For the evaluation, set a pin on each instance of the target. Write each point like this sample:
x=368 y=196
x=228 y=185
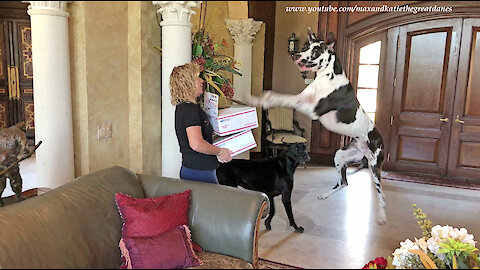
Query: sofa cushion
x=76 y=225
x=169 y=250
x=219 y=261
x=146 y=217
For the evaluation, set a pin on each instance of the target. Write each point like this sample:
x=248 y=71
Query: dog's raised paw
x=253 y=101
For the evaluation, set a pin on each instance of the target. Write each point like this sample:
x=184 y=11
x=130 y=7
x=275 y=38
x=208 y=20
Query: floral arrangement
x=215 y=65
x=441 y=247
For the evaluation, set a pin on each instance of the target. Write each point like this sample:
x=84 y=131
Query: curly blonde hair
x=183 y=83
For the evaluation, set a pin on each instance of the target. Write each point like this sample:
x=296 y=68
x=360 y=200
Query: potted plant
x=216 y=66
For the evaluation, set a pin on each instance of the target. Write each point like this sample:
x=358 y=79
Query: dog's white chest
x=358 y=128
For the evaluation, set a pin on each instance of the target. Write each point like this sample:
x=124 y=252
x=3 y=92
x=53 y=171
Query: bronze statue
x=13 y=145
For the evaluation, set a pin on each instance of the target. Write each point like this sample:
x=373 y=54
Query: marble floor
x=342 y=232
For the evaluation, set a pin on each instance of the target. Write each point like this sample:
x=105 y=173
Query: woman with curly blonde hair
x=194 y=132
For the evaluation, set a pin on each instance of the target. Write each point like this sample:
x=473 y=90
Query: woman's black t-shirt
x=187 y=115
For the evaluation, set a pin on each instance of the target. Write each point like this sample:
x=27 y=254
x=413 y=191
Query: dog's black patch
x=273 y=176
x=343 y=100
x=375 y=140
x=316 y=52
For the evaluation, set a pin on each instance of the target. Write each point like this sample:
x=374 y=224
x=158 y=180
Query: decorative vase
x=224 y=103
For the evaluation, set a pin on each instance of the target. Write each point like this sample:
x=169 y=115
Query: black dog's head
x=316 y=54
x=298 y=152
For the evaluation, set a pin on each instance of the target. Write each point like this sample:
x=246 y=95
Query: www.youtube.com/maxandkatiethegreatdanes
x=356 y=8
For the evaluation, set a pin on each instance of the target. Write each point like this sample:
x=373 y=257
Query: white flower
x=402 y=258
x=422 y=244
x=441 y=234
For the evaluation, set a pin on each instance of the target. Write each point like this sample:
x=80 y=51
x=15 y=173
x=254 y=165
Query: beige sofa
x=78 y=225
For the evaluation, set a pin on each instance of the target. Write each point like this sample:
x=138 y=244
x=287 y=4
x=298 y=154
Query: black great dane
x=272 y=176
x=331 y=99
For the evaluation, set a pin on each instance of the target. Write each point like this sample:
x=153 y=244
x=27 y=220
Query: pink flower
x=201 y=61
x=378 y=263
x=227 y=90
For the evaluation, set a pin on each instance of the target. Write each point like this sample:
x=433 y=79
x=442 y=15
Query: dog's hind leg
x=270 y=214
x=375 y=169
x=287 y=203
x=375 y=160
x=343 y=157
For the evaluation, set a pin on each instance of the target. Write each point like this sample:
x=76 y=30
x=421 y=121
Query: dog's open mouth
x=303 y=68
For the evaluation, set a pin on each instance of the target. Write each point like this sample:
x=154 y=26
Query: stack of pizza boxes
x=233 y=126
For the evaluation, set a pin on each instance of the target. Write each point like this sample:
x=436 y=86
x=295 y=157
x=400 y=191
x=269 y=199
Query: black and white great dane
x=331 y=99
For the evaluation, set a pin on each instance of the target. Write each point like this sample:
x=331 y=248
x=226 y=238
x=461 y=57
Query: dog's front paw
x=254 y=101
x=321 y=197
x=382 y=217
x=382 y=220
x=264 y=101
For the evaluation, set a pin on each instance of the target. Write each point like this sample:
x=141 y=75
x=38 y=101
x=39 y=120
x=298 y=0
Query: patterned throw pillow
x=169 y=250
x=146 y=217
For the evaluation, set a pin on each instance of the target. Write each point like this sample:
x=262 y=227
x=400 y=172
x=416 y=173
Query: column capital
x=243 y=31
x=176 y=12
x=54 y=8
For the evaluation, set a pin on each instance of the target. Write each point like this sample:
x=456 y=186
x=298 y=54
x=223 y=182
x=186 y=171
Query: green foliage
x=215 y=65
x=457 y=248
x=438 y=262
x=423 y=222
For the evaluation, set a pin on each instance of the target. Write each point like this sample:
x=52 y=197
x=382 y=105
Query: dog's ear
x=311 y=36
x=331 y=42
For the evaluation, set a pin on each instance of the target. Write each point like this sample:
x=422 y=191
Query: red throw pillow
x=148 y=217
x=170 y=250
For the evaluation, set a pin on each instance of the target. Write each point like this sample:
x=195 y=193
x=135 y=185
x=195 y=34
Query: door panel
x=423 y=95
x=464 y=156
x=323 y=144
x=24 y=67
x=6 y=104
x=426 y=59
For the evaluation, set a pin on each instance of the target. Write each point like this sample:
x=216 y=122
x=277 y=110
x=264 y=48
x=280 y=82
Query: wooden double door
x=16 y=75
x=435 y=106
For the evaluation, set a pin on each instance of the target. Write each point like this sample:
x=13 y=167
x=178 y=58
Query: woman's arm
x=198 y=144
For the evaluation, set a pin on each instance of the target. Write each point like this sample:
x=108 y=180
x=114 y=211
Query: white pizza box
x=237 y=143
x=231 y=120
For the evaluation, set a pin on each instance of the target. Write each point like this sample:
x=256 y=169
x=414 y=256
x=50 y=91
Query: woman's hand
x=224 y=155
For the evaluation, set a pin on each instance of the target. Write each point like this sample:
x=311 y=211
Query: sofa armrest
x=222 y=219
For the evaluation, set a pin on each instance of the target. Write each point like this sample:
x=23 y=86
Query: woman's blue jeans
x=207 y=176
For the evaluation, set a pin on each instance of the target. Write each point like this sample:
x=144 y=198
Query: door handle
x=10 y=79
x=458 y=120
x=17 y=80
x=444 y=120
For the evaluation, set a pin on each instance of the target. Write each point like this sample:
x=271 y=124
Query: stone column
x=243 y=32
x=52 y=92
x=176 y=50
